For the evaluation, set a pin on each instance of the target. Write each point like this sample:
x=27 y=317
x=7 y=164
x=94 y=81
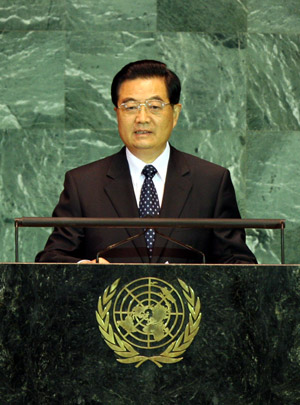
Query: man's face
x=146 y=134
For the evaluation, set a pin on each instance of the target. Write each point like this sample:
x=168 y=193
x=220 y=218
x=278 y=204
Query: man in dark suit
x=146 y=98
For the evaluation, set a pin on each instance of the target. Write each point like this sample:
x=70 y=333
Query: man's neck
x=147 y=155
x=162 y=159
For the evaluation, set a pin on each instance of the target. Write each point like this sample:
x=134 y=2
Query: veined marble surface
x=110 y=15
x=245 y=352
x=239 y=66
x=32 y=79
x=222 y=16
x=281 y=16
x=273 y=85
x=78 y=15
x=23 y=15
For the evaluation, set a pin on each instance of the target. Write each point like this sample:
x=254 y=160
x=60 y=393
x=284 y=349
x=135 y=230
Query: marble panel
x=273 y=173
x=24 y=15
x=110 y=15
x=273 y=88
x=226 y=16
x=84 y=146
x=31 y=177
x=245 y=352
x=32 y=80
x=93 y=59
x=269 y=16
x=212 y=71
x=230 y=81
x=224 y=148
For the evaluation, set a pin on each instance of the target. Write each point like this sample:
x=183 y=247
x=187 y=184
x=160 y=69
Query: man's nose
x=142 y=114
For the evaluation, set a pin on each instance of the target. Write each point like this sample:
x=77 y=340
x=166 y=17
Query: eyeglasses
x=153 y=106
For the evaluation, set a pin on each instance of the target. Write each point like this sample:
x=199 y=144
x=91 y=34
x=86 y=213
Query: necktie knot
x=149 y=171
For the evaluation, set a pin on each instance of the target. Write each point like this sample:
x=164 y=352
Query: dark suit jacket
x=194 y=188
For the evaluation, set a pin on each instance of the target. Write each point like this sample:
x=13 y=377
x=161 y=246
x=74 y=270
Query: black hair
x=147 y=69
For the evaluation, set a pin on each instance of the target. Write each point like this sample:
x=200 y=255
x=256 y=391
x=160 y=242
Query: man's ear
x=176 y=112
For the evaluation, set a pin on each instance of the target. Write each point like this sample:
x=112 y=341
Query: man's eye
x=129 y=107
x=154 y=106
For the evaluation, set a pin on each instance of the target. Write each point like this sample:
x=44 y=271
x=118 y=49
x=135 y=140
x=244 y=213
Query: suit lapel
x=177 y=189
x=120 y=191
x=119 y=186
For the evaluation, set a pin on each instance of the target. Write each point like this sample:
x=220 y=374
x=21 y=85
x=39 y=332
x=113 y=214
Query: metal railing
x=224 y=223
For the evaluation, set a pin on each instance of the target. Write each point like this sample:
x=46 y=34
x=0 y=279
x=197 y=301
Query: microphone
x=117 y=244
x=185 y=245
x=129 y=239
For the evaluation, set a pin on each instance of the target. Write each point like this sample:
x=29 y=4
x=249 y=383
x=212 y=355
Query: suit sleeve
x=65 y=244
x=229 y=245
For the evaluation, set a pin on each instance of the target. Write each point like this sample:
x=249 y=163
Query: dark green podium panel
x=246 y=351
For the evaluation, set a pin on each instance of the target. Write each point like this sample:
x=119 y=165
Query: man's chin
x=144 y=143
x=145 y=146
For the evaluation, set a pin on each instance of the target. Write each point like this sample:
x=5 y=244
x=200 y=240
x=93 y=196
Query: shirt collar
x=136 y=165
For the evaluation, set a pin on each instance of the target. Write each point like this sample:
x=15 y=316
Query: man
x=146 y=98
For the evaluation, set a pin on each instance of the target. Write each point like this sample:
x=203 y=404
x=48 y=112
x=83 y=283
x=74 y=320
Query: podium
x=246 y=350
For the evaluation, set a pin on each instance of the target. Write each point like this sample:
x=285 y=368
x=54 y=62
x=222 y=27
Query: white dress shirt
x=136 y=166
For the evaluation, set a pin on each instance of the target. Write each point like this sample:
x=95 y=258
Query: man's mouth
x=142 y=132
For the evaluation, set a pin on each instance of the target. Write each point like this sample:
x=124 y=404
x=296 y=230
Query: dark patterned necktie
x=149 y=204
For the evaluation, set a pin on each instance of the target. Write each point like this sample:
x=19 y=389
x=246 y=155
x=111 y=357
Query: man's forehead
x=148 y=86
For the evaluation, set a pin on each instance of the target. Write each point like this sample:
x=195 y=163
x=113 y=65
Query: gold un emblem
x=147 y=321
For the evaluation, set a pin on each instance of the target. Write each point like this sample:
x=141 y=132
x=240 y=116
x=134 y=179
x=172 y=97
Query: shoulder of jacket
x=197 y=163
x=94 y=167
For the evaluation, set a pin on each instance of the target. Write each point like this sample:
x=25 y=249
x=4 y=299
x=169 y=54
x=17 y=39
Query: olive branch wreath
x=127 y=354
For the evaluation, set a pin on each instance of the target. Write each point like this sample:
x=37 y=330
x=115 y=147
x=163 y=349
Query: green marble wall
x=239 y=64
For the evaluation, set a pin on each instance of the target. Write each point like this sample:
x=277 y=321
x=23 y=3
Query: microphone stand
x=186 y=246
x=131 y=238
x=117 y=244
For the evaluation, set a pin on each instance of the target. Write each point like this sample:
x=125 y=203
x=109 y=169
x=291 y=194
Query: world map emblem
x=148 y=319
